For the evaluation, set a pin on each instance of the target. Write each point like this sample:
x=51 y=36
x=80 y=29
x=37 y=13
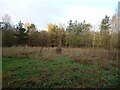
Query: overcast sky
x=43 y=12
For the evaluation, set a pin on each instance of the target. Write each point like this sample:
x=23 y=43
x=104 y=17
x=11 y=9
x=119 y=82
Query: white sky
x=43 y=12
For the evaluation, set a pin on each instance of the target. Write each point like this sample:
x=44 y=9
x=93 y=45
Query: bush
x=8 y=38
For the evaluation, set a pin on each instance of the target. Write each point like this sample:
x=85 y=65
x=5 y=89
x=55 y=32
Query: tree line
x=76 y=34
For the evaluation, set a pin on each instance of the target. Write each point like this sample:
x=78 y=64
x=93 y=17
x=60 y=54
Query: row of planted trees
x=76 y=34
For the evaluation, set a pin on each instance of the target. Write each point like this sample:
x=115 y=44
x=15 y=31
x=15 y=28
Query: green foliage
x=105 y=37
x=21 y=34
x=78 y=34
x=86 y=38
x=77 y=28
x=105 y=24
x=97 y=39
x=72 y=40
x=31 y=28
x=53 y=35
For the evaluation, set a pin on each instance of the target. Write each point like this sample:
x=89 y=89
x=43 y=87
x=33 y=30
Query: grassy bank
x=58 y=72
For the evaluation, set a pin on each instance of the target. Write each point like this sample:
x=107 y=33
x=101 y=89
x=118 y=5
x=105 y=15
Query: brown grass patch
x=104 y=64
x=33 y=80
x=49 y=52
x=80 y=55
x=82 y=61
x=6 y=75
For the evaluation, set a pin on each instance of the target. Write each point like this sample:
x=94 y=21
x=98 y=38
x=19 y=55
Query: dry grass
x=100 y=57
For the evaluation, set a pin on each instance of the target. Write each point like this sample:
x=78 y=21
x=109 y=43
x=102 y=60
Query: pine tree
x=21 y=35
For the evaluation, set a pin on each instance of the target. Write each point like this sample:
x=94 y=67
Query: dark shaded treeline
x=77 y=34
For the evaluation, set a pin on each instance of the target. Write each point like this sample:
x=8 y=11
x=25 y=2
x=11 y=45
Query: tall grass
x=82 y=55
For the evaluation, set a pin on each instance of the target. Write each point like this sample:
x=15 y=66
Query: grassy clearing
x=75 y=67
x=58 y=72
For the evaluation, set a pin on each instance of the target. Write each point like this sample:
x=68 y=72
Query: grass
x=34 y=52
x=59 y=72
x=101 y=57
x=26 y=67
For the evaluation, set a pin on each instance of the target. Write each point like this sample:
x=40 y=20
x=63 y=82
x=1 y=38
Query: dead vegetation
x=101 y=57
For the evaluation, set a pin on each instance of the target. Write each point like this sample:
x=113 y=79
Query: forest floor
x=25 y=68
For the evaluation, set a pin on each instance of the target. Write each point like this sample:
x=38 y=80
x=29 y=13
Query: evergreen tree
x=21 y=35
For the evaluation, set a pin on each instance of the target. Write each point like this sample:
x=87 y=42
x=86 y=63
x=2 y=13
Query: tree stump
x=58 y=50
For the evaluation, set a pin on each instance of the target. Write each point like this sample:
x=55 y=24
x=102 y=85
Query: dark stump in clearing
x=58 y=50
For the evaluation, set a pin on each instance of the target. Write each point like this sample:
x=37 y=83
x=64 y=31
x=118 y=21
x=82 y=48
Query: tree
x=77 y=27
x=52 y=30
x=78 y=33
x=21 y=35
x=105 y=24
x=60 y=35
x=96 y=39
x=114 y=32
x=8 y=38
x=72 y=40
x=26 y=25
x=6 y=21
x=105 y=37
x=86 y=38
x=32 y=28
x=43 y=38
x=60 y=38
